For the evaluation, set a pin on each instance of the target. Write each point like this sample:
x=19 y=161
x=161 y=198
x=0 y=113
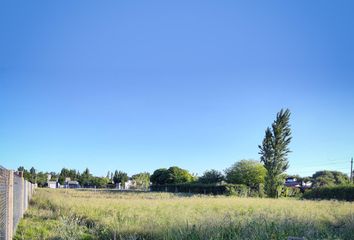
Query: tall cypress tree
x=274 y=151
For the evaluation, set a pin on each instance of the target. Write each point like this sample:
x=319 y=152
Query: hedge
x=342 y=192
x=290 y=192
x=229 y=189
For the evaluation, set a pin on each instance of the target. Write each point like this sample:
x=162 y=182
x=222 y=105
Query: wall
x=15 y=194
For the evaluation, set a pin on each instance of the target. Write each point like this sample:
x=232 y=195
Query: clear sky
x=139 y=85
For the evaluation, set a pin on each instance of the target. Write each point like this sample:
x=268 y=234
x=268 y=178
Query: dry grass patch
x=128 y=215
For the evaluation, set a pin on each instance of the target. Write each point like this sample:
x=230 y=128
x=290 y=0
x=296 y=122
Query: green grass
x=75 y=214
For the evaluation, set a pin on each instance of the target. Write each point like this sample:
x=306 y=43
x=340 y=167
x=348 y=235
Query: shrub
x=248 y=172
x=239 y=190
x=173 y=175
x=342 y=192
x=211 y=177
x=290 y=192
x=329 y=178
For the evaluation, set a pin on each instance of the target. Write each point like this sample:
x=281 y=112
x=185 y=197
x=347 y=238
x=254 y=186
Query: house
x=307 y=184
x=294 y=183
x=53 y=184
x=130 y=184
x=71 y=184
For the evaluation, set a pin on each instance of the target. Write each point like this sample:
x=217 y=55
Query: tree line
x=86 y=178
x=250 y=173
x=267 y=175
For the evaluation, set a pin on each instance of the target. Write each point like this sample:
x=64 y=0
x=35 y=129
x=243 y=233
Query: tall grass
x=75 y=214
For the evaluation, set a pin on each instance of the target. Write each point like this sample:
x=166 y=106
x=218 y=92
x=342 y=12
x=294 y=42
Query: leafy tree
x=274 y=151
x=100 y=182
x=32 y=171
x=108 y=175
x=33 y=174
x=54 y=176
x=116 y=178
x=179 y=175
x=86 y=178
x=329 y=178
x=160 y=176
x=26 y=174
x=248 y=172
x=21 y=169
x=172 y=175
x=64 y=173
x=211 y=176
x=120 y=177
x=142 y=180
x=68 y=173
x=42 y=178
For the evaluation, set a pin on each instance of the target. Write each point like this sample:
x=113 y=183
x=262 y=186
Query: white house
x=130 y=184
x=53 y=184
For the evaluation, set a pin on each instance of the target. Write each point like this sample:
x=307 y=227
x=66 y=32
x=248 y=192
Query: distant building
x=307 y=184
x=53 y=184
x=130 y=184
x=72 y=184
x=294 y=183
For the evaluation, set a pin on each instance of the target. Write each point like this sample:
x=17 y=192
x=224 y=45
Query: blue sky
x=139 y=85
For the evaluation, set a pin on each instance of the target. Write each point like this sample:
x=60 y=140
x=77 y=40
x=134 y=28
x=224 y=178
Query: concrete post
x=23 y=196
x=10 y=206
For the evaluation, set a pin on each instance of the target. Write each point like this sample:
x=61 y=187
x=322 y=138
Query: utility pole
x=351 y=171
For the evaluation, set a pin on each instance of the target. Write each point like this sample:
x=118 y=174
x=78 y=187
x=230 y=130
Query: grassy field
x=75 y=214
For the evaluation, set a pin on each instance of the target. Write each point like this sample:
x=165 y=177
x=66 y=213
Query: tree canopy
x=172 y=175
x=248 y=172
x=211 y=176
x=142 y=180
x=160 y=176
x=68 y=173
x=179 y=175
x=120 y=177
x=274 y=151
x=329 y=178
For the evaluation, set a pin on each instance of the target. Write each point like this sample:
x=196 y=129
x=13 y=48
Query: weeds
x=56 y=214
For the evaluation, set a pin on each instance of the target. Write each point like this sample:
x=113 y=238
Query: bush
x=228 y=189
x=342 y=192
x=329 y=178
x=239 y=190
x=290 y=192
x=248 y=172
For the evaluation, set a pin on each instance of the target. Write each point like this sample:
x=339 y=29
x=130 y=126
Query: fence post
x=22 y=209
x=10 y=208
x=25 y=188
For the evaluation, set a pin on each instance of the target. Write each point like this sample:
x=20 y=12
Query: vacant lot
x=75 y=214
